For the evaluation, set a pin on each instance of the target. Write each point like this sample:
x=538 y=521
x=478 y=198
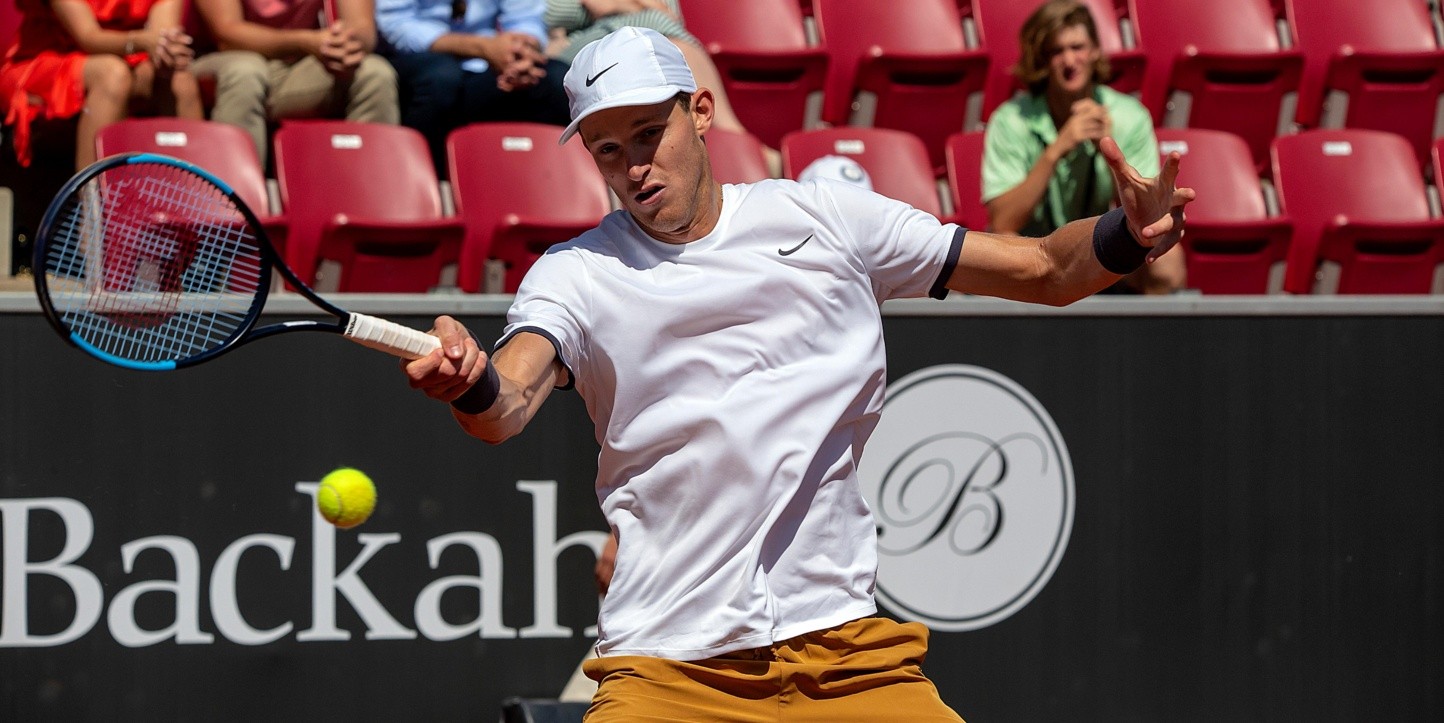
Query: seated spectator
x=99 y=60
x=1041 y=166
x=279 y=60
x=465 y=61
x=574 y=23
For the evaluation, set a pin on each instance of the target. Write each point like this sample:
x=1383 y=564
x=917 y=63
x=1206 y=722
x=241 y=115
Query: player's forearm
x=1057 y=270
x=521 y=375
x=514 y=407
x=1074 y=271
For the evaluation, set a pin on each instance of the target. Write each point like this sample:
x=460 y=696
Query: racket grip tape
x=390 y=337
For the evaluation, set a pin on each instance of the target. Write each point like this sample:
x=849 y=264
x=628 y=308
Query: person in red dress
x=97 y=59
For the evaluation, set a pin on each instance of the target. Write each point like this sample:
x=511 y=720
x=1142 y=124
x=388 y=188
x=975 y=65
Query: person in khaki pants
x=281 y=59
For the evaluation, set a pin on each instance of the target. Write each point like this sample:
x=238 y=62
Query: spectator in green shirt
x=1041 y=165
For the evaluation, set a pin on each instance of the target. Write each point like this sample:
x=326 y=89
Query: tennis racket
x=148 y=262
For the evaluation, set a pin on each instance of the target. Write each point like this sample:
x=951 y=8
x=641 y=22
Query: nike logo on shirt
x=593 y=79
x=794 y=249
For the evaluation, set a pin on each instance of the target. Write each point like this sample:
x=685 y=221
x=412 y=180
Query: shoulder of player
x=804 y=192
x=599 y=238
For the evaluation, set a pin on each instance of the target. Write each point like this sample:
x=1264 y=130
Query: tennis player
x=728 y=344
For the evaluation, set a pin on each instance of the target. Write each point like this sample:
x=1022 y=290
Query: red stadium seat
x=1218 y=65
x=10 y=18
x=965 y=179
x=1369 y=65
x=1232 y=246
x=1359 y=207
x=221 y=148
x=736 y=157
x=363 y=196
x=518 y=193
x=1437 y=156
x=773 y=78
x=1000 y=21
x=901 y=65
x=895 y=160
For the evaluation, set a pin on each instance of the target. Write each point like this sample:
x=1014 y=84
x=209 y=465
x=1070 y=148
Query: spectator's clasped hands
x=341 y=51
x=521 y=62
x=1154 y=206
x=169 y=48
x=1087 y=121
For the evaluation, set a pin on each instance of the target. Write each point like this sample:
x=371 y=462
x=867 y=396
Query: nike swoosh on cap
x=794 y=249
x=593 y=79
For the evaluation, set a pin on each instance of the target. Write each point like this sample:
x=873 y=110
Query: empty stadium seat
x=772 y=77
x=10 y=17
x=1437 y=157
x=1232 y=245
x=736 y=157
x=895 y=160
x=365 y=197
x=1218 y=65
x=1361 y=214
x=901 y=65
x=518 y=193
x=965 y=179
x=999 y=23
x=1373 y=64
x=221 y=148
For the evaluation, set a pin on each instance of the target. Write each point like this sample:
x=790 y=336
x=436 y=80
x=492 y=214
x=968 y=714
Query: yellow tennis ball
x=346 y=497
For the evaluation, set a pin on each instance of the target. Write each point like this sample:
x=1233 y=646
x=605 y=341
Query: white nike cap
x=631 y=66
x=838 y=168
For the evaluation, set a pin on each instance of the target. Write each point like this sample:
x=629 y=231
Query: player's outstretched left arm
x=1084 y=256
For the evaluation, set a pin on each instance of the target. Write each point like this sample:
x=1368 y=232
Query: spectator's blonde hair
x=1038 y=33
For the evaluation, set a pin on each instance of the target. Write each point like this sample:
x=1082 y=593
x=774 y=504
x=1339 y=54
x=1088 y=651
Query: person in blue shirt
x=467 y=61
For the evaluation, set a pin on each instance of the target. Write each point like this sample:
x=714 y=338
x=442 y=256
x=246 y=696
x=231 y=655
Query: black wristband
x=1115 y=246
x=481 y=395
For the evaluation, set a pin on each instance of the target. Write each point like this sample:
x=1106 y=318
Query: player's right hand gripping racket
x=149 y=262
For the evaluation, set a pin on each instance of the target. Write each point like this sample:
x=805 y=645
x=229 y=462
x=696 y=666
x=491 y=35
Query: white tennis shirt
x=733 y=381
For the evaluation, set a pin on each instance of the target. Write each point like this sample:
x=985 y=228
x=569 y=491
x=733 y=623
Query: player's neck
x=703 y=221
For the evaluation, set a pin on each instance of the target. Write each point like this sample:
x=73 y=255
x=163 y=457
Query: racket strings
x=154 y=263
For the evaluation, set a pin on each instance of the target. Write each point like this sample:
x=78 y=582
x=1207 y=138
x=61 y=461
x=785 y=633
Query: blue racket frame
x=52 y=224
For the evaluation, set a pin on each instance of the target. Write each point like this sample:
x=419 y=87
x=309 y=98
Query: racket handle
x=390 y=337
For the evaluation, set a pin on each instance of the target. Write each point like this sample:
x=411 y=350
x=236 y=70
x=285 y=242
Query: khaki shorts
x=865 y=670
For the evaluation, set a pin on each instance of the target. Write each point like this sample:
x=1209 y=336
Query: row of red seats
x=1256 y=68
x=1347 y=211
x=360 y=208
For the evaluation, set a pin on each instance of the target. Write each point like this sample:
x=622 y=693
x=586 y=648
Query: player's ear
x=704 y=105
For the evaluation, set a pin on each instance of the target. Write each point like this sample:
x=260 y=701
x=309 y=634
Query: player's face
x=1070 y=60
x=653 y=158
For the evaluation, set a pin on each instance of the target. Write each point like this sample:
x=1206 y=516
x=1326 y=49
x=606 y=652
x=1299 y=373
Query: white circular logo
x=972 y=489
